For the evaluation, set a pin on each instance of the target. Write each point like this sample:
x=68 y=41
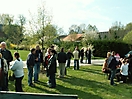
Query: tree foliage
x=128 y=38
x=40 y=25
x=82 y=28
x=117 y=31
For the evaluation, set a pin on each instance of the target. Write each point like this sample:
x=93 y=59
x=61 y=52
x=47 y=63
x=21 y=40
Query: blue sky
x=102 y=13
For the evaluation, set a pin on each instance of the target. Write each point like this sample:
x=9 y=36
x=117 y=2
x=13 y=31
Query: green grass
x=23 y=53
x=88 y=83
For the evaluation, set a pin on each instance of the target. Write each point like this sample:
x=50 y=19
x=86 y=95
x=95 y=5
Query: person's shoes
x=48 y=83
x=114 y=84
x=32 y=85
x=60 y=76
x=52 y=86
x=120 y=82
x=35 y=82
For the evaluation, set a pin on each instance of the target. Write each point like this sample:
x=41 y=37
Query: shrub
x=103 y=46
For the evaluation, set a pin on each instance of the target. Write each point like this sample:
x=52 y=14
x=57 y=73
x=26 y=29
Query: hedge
x=103 y=46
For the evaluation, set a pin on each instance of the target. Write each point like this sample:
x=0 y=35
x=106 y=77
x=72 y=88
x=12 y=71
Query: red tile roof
x=73 y=37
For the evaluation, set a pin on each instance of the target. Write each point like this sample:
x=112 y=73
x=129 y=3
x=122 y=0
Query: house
x=79 y=37
x=74 y=37
x=104 y=34
x=61 y=37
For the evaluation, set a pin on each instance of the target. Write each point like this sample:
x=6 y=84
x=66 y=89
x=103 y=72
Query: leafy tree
x=128 y=27
x=128 y=38
x=90 y=28
x=38 y=23
x=116 y=31
x=74 y=29
x=82 y=28
x=14 y=32
x=50 y=35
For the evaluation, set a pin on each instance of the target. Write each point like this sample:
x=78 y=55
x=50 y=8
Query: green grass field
x=88 y=83
x=23 y=53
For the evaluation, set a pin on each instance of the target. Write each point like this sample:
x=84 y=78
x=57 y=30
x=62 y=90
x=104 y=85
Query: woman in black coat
x=51 y=69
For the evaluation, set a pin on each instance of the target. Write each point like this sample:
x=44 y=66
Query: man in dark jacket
x=69 y=56
x=62 y=57
x=30 y=64
x=112 y=65
x=130 y=67
x=6 y=54
x=82 y=55
x=39 y=57
x=89 y=56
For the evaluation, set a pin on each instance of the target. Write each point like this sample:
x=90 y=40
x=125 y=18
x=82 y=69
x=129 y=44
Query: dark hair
x=62 y=49
x=52 y=46
x=33 y=49
x=53 y=51
x=16 y=54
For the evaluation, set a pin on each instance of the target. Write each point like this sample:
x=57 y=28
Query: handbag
x=11 y=76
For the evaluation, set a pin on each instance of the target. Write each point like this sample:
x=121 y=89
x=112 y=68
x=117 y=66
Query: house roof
x=73 y=37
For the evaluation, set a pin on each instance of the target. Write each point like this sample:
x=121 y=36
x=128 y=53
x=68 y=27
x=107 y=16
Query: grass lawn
x=23 y=53
x=88 y=83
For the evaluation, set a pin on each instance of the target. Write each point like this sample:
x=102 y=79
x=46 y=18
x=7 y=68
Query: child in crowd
x=122 y=76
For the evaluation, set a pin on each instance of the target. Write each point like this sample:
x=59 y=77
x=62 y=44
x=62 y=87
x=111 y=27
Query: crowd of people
x=114 y=66
x=119 y=68
x=34 y=60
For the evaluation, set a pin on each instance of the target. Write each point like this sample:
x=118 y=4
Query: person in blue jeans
x=112 y=65
x=30 y=64
x=39 y=60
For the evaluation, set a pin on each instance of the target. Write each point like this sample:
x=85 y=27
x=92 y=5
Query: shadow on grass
x=89 y=85
x=81 y=94
x=92 y=71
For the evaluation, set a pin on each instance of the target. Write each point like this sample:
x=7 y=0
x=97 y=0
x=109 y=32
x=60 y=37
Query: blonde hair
x=108 y=54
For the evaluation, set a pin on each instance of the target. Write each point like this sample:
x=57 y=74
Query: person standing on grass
x=6 y=54
x=78 y=51
x=39 y=57
x=86 y=55
x=62 y=57
x=30 y=64
x=51 y=69
x=47 y=57
x=112 y=65
x=82 y=55
x=89 y=56
x=3 y=71
x=130 y=67
x=76 y=59
x=69 y=56
x=17 y=68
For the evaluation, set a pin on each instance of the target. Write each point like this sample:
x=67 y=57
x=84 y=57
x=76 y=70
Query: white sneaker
x=120 y=82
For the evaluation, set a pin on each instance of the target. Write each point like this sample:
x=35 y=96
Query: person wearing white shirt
x=17 y=68
x=76 y=59
x=124 y=71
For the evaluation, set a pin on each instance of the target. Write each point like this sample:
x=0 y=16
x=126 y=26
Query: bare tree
x=38 y=23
